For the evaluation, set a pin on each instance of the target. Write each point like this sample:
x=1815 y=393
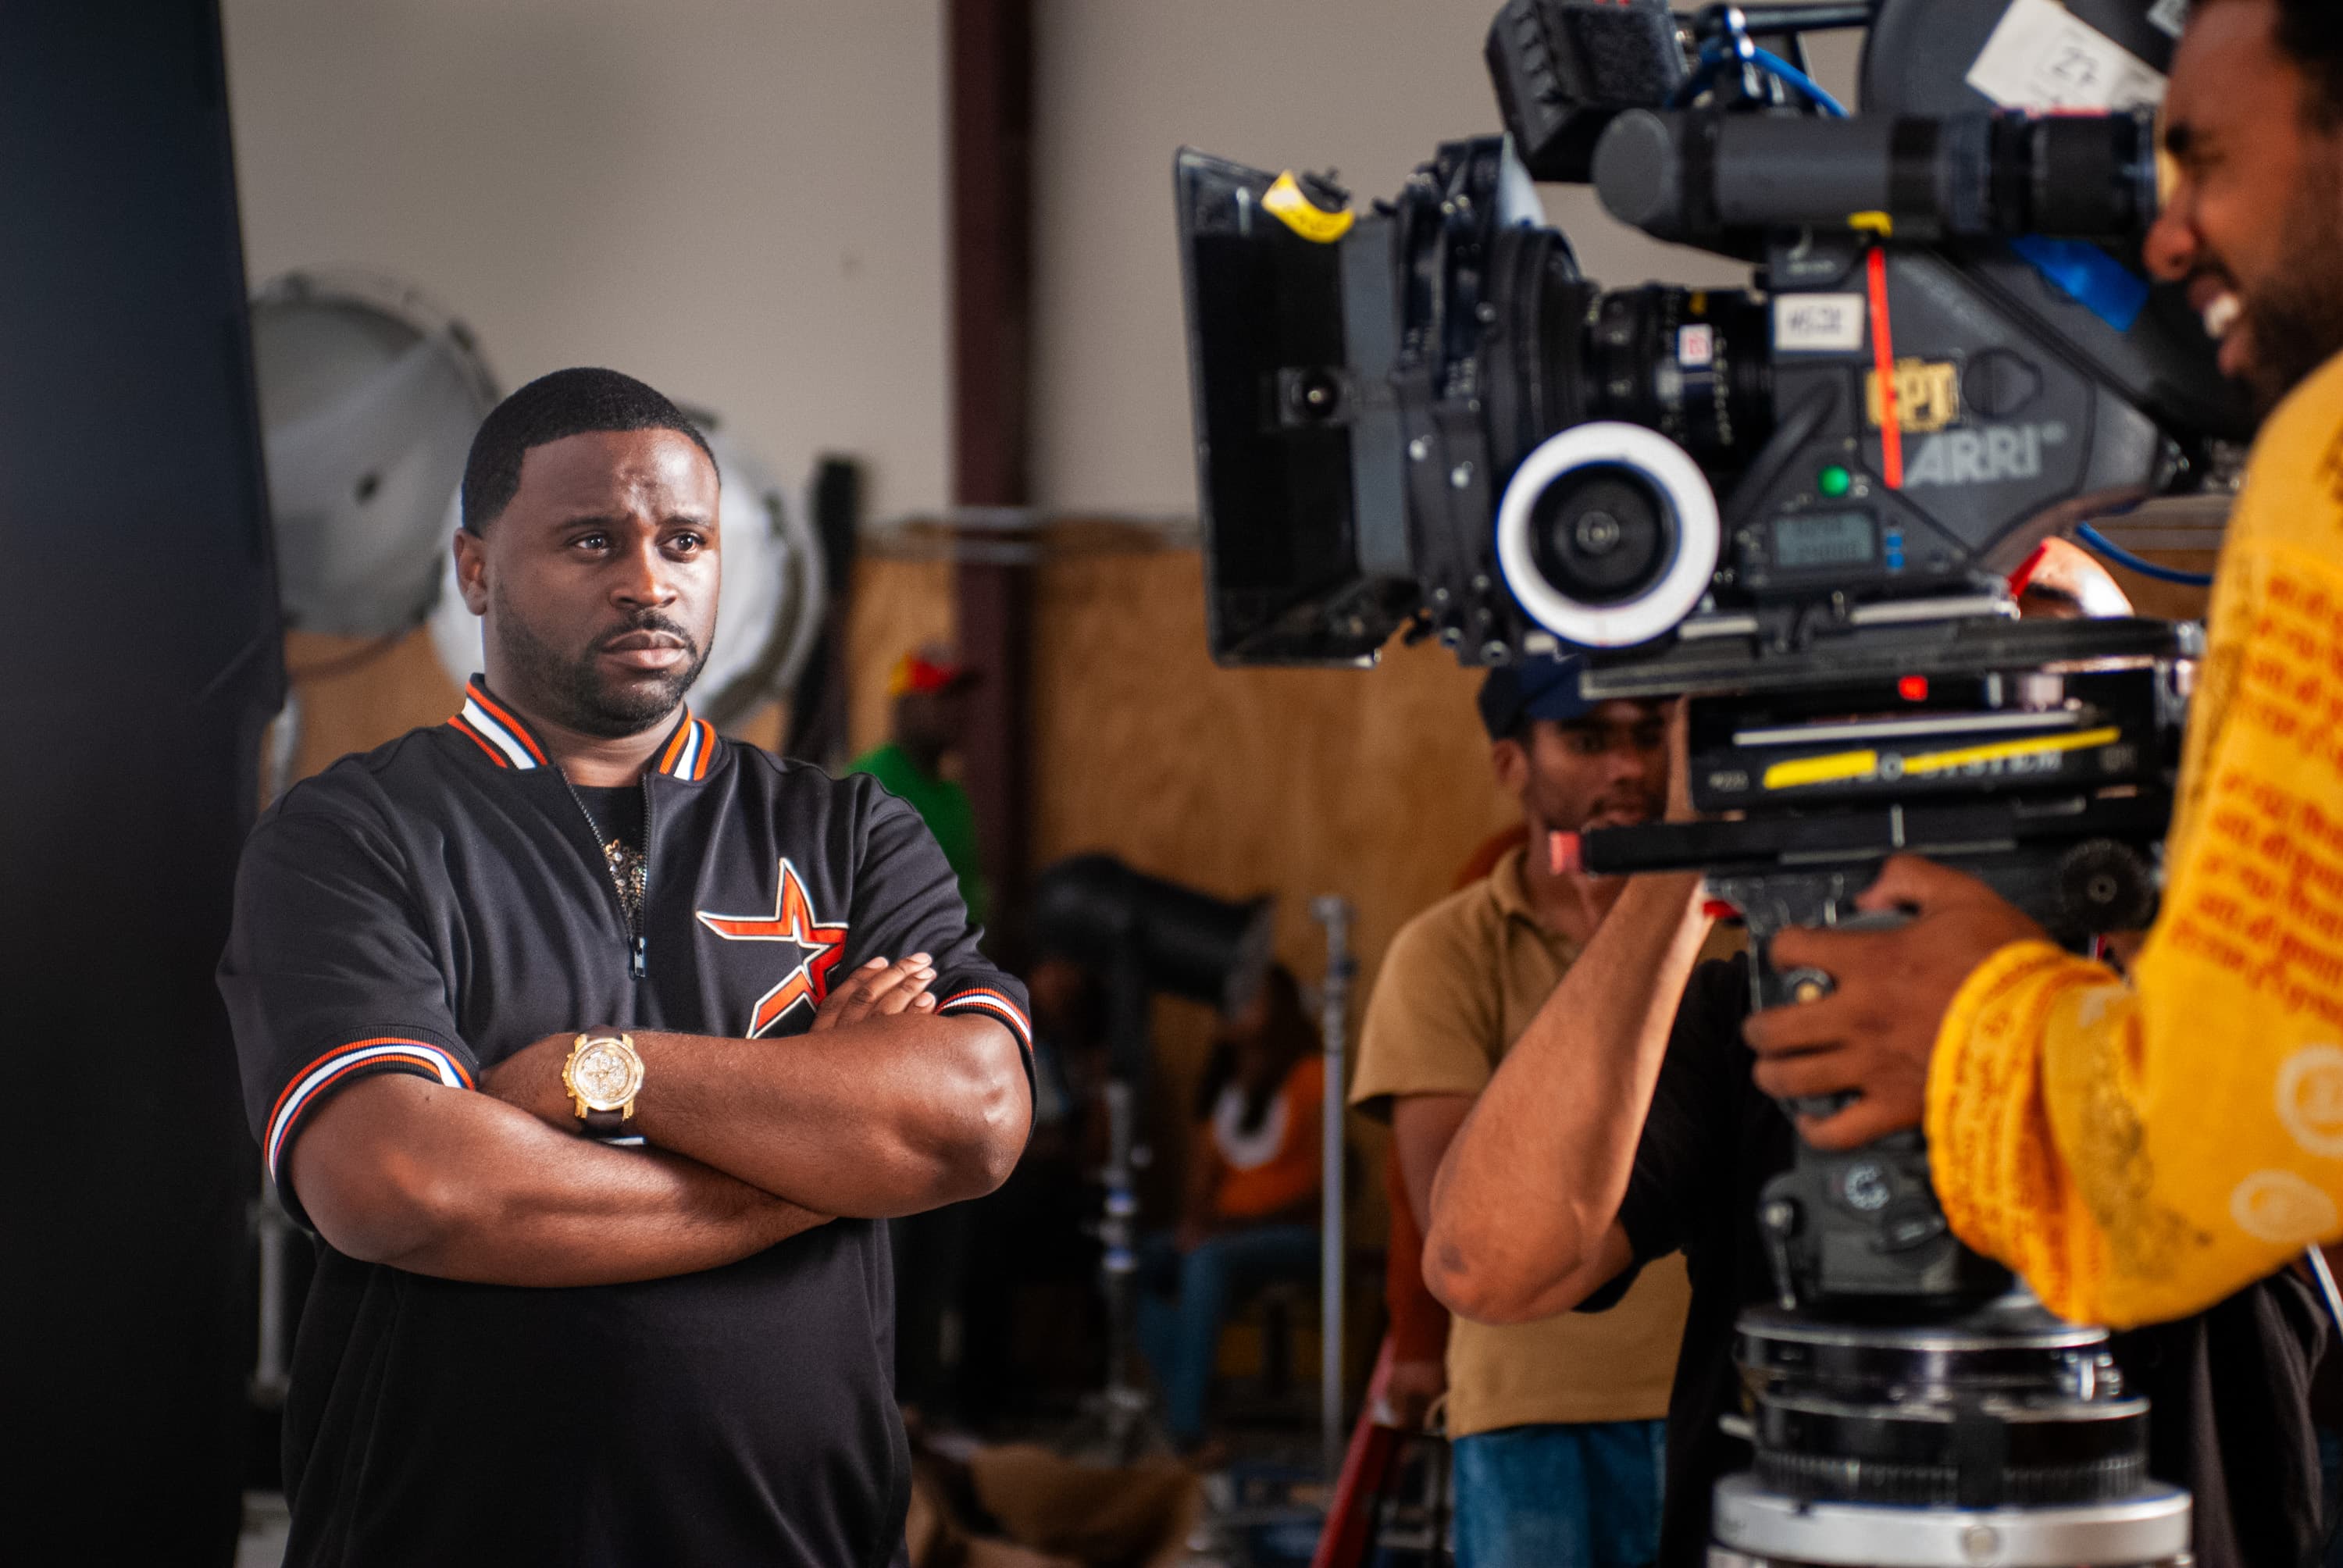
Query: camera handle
x=1861 y=1223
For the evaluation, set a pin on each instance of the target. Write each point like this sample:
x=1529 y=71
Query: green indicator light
x=1834 y=481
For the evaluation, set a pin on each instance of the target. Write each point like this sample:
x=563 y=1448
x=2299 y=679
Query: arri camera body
x=1798 y=504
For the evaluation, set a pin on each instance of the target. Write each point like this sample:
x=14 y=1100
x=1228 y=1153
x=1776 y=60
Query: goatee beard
x=2296 y=322
x=2295 y=331
x=572 y=691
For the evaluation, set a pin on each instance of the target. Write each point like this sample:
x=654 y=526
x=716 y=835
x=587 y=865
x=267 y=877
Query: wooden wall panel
x=355 y=693
x=900 y=604
x=1372 y=784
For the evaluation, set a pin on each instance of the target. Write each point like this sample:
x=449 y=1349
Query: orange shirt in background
x=1275 y=1165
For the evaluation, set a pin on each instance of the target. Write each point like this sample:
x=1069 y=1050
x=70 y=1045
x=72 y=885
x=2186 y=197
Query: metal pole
x=1335 y=914
x=1126 y=1398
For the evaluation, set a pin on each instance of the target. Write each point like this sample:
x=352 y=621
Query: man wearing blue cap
x=1556 y=1424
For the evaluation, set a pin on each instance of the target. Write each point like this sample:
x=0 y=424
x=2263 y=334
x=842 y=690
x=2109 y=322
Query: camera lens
x=1602 y=536
x=1689 y=362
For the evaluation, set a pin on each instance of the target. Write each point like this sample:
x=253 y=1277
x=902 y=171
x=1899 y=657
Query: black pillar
x=142 y=619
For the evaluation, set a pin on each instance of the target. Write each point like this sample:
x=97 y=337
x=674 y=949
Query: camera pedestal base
x=1755 y=1528
x=1995 y=1437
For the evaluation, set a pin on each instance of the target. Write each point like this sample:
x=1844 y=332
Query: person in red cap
x=929 y=689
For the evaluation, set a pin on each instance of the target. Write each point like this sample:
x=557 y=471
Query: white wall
x=743 y=201
x=1367 y=86
x=740 y=201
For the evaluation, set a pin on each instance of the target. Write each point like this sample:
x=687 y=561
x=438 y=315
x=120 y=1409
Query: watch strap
x=609 y=1124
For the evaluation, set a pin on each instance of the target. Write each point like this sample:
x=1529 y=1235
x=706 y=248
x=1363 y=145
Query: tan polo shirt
x=1460 y=984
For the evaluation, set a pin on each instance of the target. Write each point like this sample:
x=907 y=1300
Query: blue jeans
x=1581 y=1495
x=1183 y=1299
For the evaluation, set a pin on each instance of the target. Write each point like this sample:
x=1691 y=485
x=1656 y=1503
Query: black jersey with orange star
x=437 y=904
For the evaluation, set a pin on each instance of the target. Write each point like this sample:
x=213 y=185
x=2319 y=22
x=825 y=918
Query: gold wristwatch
x=603 y=1075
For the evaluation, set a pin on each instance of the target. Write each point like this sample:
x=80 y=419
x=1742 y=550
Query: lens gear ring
x=1681 y=488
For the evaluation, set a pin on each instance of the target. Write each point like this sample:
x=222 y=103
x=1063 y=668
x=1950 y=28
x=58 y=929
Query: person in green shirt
x=931 y=714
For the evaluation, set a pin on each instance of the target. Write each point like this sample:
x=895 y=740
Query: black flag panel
x=143 y=621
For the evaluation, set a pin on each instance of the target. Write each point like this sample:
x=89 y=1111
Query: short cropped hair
x=2310 y=34
x=567 y=403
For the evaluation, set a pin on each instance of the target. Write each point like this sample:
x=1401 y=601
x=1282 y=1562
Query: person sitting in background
x=930 y=691
x=1250 y=1217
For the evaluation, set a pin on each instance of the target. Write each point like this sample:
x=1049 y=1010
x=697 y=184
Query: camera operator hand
x=1875 y=1033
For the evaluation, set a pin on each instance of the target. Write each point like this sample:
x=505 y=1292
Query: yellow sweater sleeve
x=2138 y=1151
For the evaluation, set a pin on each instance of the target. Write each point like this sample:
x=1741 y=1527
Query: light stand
x=1335 y=913
x=1125 y=1412
x=1147 y=937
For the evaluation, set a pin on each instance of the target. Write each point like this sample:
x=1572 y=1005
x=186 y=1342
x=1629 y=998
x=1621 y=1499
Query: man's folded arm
x=1525 y=1217
x=890 y=1116
x=398 y=1169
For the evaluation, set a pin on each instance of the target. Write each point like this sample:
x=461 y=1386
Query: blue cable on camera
x=1713 y=60
x=2100 y=545
x=1789 y=74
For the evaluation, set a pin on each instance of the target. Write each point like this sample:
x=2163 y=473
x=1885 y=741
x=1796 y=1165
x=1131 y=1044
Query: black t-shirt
x=2228 y=1388
x=617 y=810
x=431 y=908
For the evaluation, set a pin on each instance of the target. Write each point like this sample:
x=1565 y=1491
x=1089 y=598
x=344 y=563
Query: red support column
x=989 y=58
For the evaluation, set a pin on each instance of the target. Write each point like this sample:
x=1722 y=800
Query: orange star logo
x=818 y=948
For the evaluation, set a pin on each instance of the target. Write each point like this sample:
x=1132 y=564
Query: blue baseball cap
x=1539 y=687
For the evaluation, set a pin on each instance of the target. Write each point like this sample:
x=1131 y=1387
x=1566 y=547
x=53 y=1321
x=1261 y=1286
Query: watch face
x=606 y=1074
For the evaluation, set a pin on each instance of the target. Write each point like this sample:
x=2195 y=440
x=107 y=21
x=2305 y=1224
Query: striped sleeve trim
x=993 y=1002
x=387 y=1053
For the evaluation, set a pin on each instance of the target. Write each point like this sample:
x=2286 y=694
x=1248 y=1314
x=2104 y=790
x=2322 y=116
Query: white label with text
x=1818 y=323
x=2042 y=56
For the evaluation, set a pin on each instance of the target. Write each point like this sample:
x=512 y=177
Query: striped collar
x=489 y=724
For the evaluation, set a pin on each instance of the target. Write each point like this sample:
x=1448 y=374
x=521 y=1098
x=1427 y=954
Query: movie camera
x=1799 y=504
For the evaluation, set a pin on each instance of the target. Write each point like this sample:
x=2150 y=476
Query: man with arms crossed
x=1553 y=1423
x=595 y=1048
x=2139 y=1147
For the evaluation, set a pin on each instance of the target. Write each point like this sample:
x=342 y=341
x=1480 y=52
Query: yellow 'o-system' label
x=1841 y=766
x=1302 y=216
